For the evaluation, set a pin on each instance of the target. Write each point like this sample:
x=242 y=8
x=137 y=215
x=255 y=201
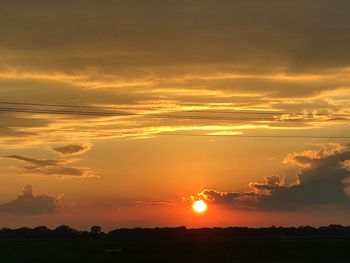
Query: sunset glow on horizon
x=151 y=113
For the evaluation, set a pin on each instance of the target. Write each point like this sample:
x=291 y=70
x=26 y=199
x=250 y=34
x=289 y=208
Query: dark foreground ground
x=180 y=245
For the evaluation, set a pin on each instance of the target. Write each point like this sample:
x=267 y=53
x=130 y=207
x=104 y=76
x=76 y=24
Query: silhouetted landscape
x=232 y=244
x=194 y=114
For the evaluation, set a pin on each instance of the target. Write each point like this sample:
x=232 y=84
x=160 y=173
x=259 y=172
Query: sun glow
x=199 y=206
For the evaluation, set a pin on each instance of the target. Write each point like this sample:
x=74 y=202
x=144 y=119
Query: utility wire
x=253 y=112
x=290 y=136
x=255 y=136
x=160 y=116
x=82 y=110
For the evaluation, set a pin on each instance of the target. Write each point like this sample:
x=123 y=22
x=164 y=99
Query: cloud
x=220 y=197
x=270 y=184
x=306 y=158
x=29 y=204
x=210 y=57
x=239 y=200
x=347 y=164
x=72 y=149
x=52 y=167
x=151 y=203
x=197 y=33
x=323 y=182
x=36 y=162
x=60 y=171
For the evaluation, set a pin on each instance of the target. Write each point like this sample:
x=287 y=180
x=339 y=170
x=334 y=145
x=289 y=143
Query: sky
x=123 y=113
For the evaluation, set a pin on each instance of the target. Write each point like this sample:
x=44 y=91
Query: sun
x=199 y=206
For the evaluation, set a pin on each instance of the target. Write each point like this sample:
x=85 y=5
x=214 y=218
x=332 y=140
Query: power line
x=290 y=136
x=252 y=112
x=255 y=136
x=85 y=110
x=162 y=116
x=66 y=105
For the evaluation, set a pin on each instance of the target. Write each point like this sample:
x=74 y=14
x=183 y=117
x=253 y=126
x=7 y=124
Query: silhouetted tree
x=95 y=230
x=65 y=231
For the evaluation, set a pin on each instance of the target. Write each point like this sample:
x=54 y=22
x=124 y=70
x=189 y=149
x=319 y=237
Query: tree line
x=65 y=231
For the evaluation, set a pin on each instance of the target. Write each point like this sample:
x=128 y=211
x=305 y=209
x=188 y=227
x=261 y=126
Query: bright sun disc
x=199 y=206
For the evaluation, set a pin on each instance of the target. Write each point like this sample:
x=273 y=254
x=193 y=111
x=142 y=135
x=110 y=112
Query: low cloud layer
x=29 y=204
x=322 y=182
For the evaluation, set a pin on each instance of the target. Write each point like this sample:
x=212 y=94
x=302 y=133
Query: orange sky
x=117 y=113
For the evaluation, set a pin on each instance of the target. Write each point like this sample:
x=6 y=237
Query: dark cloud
x=238 y=200
x=72 y=149
x=29 y=204
x=171 y=53
x=323 y=183
x=34 y=161
x=52 y=167
x=307 y=158
x=270 y=184
x=116 y=34
x=60 y=171
x=219 y=197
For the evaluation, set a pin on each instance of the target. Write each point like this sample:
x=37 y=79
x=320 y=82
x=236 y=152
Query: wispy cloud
x=72 y=149
x=60 y=167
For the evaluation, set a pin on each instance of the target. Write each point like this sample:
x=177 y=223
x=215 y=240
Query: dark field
x=179 y=245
